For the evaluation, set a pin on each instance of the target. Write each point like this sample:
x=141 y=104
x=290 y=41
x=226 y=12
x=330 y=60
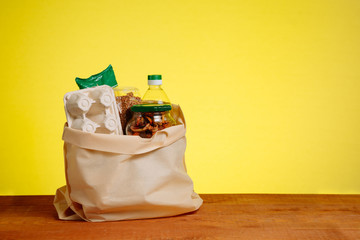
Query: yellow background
x=270 y=89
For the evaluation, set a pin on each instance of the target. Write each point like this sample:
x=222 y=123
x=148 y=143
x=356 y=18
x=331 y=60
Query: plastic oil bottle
x=155 y=94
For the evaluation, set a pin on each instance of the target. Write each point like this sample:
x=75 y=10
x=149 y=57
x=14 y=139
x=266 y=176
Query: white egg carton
x=93 y=110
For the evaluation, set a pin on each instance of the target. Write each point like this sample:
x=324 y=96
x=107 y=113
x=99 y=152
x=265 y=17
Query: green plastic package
x=106 y=77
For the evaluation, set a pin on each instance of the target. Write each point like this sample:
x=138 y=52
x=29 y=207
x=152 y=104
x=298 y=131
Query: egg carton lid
x=103 y=97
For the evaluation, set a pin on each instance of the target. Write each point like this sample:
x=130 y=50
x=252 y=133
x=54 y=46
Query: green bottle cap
x=154 y=77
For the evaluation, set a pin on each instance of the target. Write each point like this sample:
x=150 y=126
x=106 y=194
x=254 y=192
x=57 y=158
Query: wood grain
x=223 y=216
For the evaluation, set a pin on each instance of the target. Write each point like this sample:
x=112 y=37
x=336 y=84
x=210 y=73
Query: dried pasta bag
x=106 y=77
x=118 y=177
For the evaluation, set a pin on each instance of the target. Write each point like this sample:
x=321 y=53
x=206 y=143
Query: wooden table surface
x=222 y=216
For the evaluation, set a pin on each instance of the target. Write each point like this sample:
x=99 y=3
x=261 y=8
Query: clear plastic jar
x=125 y=98
x=148 y=119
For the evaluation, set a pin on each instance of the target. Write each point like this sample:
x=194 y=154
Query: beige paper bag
x=114 y=177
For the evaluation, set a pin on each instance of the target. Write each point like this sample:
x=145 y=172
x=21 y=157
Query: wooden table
x=223 y=216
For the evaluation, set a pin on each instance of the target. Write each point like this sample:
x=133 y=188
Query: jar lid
x=151 y=108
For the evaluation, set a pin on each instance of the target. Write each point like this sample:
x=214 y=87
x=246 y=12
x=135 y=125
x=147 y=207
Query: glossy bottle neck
x=155 y=87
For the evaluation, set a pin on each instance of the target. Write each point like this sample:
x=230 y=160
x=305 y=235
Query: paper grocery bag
x=118 y=177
